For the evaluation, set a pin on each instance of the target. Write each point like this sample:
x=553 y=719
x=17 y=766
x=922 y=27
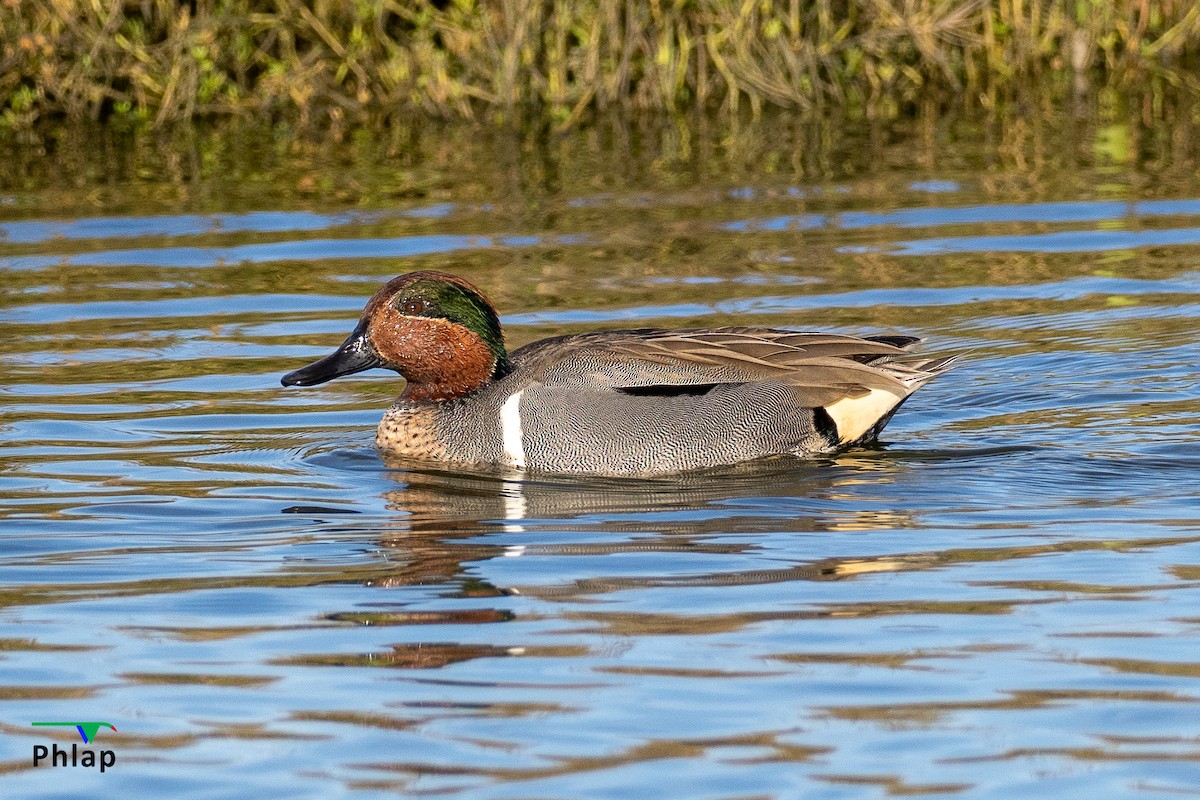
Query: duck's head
x=436 y=330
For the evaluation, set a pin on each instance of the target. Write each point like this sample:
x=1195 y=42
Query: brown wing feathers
x=801 y=359
x=826 y=366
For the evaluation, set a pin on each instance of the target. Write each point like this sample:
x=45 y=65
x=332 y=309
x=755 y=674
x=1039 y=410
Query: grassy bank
x=338 y=63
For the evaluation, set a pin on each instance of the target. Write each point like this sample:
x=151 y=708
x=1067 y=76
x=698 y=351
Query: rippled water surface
x=1001 y=600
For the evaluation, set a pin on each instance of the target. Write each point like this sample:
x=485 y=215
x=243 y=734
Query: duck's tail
x=860 y=419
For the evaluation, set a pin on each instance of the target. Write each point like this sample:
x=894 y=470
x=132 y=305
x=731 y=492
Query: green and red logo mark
x=87 y=730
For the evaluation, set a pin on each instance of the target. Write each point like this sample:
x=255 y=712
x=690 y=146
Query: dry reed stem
x=323 y=62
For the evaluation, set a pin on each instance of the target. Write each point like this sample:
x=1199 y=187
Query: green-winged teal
x=615 y=402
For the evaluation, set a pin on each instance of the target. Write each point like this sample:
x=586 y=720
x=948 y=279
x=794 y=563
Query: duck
x=613 y=402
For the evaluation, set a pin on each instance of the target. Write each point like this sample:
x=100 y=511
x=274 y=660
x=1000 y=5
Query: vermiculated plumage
x=620 y=402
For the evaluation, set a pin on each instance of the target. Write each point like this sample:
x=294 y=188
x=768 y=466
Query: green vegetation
x=333 y=64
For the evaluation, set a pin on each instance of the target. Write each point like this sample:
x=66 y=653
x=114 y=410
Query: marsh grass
x=361 y=61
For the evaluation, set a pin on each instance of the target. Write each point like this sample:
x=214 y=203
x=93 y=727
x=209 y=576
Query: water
x=999 y=601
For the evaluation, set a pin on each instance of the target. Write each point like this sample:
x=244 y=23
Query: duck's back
x=654 y=401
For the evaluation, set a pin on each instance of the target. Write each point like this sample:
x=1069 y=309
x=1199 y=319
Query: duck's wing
x=823 y=368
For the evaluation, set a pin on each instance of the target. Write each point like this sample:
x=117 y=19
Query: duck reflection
x=451 y=524
x=449 y=517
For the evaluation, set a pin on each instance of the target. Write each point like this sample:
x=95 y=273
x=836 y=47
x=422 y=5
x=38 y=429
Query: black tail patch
x=826 y=426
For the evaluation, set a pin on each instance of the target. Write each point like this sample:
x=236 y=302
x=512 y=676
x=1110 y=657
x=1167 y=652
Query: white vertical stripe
x=510 y=427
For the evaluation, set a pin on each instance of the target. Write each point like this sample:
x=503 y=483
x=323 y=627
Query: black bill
x=355 y=355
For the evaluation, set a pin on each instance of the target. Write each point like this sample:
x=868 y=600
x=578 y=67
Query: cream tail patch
x=854 y=416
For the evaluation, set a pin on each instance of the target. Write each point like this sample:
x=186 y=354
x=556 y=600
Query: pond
x=1001 y=599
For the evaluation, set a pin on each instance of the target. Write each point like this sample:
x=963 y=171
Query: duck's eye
x=412 y=307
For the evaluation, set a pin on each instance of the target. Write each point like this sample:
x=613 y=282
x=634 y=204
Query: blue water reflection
x=1000 y=600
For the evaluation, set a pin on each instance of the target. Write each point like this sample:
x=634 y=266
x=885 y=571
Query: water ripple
x=997 y=600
